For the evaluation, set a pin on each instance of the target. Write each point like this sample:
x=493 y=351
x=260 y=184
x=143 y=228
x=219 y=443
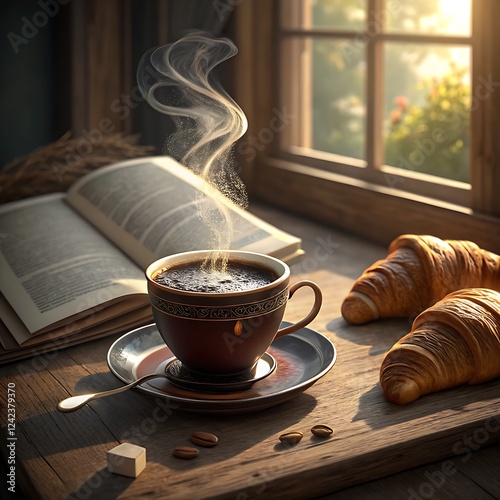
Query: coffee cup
x=225 y=331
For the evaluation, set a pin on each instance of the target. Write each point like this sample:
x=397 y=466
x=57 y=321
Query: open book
x=72 y=265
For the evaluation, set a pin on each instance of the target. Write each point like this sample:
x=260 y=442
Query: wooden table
x=441 y=446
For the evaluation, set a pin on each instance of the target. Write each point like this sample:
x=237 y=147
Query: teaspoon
x=76 y=402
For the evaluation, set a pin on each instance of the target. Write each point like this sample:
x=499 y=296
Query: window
x=390 y=113
x=376 y=85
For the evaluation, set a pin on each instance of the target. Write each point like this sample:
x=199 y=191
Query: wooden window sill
x=378 y=213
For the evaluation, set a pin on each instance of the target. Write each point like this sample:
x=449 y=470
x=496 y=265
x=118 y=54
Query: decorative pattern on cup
x=223 y=312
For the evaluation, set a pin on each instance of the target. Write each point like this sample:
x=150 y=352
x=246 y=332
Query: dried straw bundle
x=55 y=167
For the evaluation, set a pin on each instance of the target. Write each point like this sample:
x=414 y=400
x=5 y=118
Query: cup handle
x=318 y=298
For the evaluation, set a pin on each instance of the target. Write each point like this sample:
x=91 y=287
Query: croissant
x=456 y=341
x=418 y=271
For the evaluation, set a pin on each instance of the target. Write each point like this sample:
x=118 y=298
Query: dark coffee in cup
x=237 y=277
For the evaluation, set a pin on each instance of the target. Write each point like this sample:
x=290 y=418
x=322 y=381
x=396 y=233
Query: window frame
x=375 y=210
x=371 y=41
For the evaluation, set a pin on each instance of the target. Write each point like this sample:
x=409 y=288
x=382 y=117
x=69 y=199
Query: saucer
x=302 y=358
x=184 y=377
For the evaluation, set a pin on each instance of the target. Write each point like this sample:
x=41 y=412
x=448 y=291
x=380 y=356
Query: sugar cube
x=127 y=459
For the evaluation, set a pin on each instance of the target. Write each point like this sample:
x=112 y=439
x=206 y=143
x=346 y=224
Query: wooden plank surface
x=64 y=455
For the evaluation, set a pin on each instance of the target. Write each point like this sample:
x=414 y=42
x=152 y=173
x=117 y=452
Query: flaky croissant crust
x=418 y=271
x=454 y=342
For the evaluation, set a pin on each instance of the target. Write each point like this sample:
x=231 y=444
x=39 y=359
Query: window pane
x=339 y=72
x=444 y=17
x=323 y=88
x=427 y=107
x=321 y=14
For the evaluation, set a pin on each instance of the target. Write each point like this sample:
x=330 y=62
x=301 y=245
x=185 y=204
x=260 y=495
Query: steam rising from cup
x=179 y=79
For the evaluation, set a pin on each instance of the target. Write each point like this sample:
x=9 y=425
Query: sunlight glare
x=457 y=13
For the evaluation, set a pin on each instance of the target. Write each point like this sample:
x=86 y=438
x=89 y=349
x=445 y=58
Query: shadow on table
x=381 y=335
x=155 y=424
x=236 y=433
x=103 y=484
x=379 y=413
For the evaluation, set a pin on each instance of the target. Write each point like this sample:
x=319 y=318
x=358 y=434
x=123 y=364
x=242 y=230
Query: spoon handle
x=76 y=402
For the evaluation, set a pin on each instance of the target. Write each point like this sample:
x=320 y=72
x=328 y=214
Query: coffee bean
x=185 y=452
x=292 y=437
x=204 y=439
x=322 y=430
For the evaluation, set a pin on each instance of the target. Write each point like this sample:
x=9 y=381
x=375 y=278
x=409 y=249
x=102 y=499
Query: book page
x=54 y=265
x=148 y=207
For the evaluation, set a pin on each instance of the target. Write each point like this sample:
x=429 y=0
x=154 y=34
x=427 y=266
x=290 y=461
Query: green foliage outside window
x=433 y=138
